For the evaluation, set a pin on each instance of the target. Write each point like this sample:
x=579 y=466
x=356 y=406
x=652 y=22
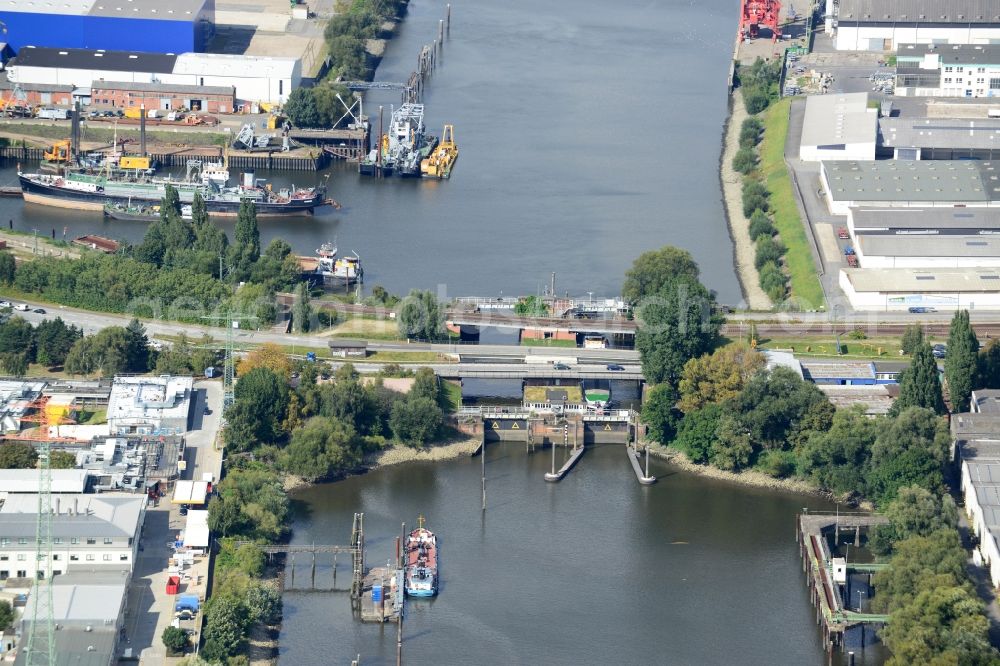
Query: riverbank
x=750 y=478
x=739 y=225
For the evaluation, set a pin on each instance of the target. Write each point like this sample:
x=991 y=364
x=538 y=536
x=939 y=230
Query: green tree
x=170 y=205
x=7 y=268
x=776 y=408
x=835 y=459
x=261 y=401
x=246 y=236
x=919 y=385
x=322 y=448
x=301 y=108
x=263 y=603
x=677 y=325
x=989 y=365
x=301 y=310
x=532 y=306
x=246 y=558
x=136 y=347
x=416 y=421
x=199 y=213
x=914 y=512
x=768 y=250
x=225 y=627
x=62 y=460
x=913 y=337
x=17 y=336
x=18 y=455
x=53 y=340
x=251 y=503
x=719 y=376
x=6 y=614
x=731 y=449
x=697 y=430
x=962 y=362
x=351 y=401
x=426 y=385
x=655 y=270
x=750 y=131
x=911 y=451
x=226 y=517
x=175 y=640
x=420 y=316
x=14 y=364
x=660 y=413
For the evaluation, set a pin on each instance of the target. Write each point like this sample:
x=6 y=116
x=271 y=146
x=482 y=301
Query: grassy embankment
x=798 y=259
x=550 y=342
x=107 y=134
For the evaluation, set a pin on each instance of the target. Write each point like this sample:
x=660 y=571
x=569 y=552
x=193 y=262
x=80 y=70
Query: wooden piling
x=447 y=19
x=312 y=573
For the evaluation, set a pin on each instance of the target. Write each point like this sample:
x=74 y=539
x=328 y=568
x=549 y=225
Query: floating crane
x=754 y=13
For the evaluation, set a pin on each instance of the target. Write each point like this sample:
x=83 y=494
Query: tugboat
x=421 y=562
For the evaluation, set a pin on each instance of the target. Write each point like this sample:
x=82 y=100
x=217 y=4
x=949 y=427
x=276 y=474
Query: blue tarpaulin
x=188 y=601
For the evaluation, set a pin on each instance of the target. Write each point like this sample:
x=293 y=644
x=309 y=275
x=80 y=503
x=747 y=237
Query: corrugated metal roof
x=917 y=181
x=114 y=61
x=223 y=64
x=939 y=133
x=984 y=473
x=920 y=11
x=92 y=515
x=952 y=54
x=926 y=245
x=866 y=219
x=172 y=88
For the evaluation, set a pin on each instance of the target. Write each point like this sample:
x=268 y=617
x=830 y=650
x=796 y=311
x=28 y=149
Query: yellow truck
x=133 y=112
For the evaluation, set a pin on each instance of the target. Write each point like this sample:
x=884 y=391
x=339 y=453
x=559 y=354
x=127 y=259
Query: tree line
x=182 y=270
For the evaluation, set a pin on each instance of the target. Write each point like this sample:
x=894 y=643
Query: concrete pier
x=552 y=477
x=633 y=457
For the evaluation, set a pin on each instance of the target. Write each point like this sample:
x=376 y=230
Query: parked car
x=184 y=614
x=852 y=260
x=184 y=509
x=842 y=232
x=848 y=251
x=22 y=307
x=939 y=351
x=560 y=366
x=614 y=367
x=920 y=309
x=38 y=311
x=5 y=304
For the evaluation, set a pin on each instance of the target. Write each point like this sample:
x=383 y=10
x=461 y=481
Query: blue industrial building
x=176 y=26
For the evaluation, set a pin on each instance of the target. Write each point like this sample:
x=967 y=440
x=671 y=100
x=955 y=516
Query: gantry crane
x=754 y=13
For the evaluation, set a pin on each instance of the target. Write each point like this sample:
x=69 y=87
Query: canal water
x=590 y=131
x=593 y=570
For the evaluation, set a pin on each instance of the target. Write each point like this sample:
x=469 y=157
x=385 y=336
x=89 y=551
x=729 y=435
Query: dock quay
x=10 y=191
x=633 y=457
x=554 y=475
x=382 y=595
x=827 y=576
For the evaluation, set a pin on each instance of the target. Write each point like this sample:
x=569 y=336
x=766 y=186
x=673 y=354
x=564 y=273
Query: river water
x=590 y=131
x=593 y=570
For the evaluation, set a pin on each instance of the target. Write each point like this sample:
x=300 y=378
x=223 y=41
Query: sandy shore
x=739 y=226
x=748 y=478
x=402 y=454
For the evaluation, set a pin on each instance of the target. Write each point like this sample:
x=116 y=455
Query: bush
x=745 y=160
x=756 y=99
x=773 y=280
x=760 y=225
x=768 y=249
x=750 y=132
x=175 y=640
x=779 y=464
x=753 y=202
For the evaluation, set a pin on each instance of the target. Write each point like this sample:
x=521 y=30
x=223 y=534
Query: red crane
x=754 y=13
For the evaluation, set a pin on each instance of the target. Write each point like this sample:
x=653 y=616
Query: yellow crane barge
x=440 y=162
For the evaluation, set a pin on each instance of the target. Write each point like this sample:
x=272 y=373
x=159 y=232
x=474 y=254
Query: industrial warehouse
x=881 y=25
x=209 y=80
x=141 y=25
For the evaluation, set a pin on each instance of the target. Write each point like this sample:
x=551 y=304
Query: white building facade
x=881 y=25
x=88 y=531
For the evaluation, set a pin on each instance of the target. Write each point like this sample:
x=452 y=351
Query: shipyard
x=285 y=381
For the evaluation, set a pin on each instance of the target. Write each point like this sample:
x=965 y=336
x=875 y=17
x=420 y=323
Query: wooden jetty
x=633 y=457
x=554 y=475
x=817 y=563
x=10 y=191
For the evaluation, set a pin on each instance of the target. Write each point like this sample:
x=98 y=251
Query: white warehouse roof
x=196 y=533
x=223 y=64
x=190 y=492
x=26 y=480
x=838 y=119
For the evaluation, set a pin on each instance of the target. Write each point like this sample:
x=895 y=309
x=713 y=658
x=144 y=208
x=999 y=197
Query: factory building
x=948 y=70
x=898 y=289
x=906 y=184
x=166 y=96
x=150 y=405
x=838 y=127
x=254 y=78
x=142 y=25
x=88 y=532
x=881 y=25
x=940 y=138
x=15 y=402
